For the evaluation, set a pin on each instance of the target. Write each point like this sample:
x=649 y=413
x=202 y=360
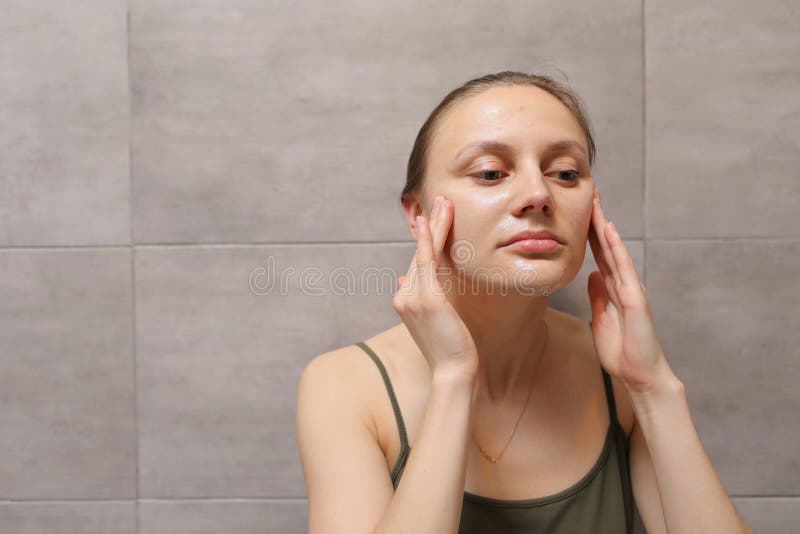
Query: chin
x=536 y=281
x=534 y=277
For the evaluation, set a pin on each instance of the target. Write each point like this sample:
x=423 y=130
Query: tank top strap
x=612 y=405
x=623 y=452
x=404 y=446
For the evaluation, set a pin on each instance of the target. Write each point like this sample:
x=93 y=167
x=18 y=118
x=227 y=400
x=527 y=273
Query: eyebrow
x=503 y=148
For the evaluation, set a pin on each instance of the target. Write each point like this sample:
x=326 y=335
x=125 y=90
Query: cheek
x=580 y=223
x=472 y=220
x=580 y=218
x=586 y=220
x=468 y=241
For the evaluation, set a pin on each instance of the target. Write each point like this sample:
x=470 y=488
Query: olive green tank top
x=601 y=502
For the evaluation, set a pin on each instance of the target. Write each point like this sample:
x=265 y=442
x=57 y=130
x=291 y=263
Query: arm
x=430 y=493
x=669 y=464
x=348 y=485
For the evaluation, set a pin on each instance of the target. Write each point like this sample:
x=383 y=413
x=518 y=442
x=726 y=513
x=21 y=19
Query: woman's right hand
x=436 y=327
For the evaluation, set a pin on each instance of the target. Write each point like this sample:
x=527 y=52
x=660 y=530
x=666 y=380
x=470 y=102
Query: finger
x=597 y=211
x=597 y=251
x=599 y=257
x=604 y=270
x=594 y=239
x=411 y=273
x=445 y=224
x=435 y=224
x=436 y=227
x=425 y=265
x=413 y=264
x=611 y=289
x=627 y=271
x=415 y=235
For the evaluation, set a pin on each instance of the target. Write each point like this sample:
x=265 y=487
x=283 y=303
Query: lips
x=532 y=234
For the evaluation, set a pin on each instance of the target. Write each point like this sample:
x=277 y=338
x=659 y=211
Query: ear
x=411 y=208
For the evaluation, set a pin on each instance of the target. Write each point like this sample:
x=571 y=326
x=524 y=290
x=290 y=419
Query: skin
x=675 y=486
x=526 y=188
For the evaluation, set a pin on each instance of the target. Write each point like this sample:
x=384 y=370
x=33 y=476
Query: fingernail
x=613 y=228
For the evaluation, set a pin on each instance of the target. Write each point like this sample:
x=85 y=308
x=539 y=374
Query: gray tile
x=574 y=298
x=770 y=515
x=66 y=375
x=726 y=314
x=242 y=115
x=68 y=518
x=219 y=362
x=723 y=119
x=211 y=517
x=64 y=113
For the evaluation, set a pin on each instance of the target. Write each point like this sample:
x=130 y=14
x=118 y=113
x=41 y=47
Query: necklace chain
x=484 y=452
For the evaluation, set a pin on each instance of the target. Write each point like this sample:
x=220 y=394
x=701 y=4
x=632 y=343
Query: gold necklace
x=483 y=451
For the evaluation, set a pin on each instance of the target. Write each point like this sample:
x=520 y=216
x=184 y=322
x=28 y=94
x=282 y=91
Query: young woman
x=484 y=410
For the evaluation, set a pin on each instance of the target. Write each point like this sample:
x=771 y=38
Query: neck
x=509 y=334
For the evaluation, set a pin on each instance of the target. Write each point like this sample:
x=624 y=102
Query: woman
x=484 y=410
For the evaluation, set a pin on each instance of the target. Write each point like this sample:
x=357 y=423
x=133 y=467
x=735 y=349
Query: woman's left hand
x=622 y=325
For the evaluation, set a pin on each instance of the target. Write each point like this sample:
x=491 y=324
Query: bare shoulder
x=342 y=376
x=585 y=348
x=344 y=465
x=349 y=373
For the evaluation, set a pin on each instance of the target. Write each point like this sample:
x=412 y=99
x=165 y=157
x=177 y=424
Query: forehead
x=512 y=113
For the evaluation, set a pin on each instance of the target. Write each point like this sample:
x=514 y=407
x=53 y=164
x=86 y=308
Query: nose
x=531 y=194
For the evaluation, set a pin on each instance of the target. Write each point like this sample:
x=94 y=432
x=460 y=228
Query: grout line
x=153 y=500
x=59 y=247
x=644 y=144
x=365 y=243
x=225 y=499
x=137 y=456
x=282 y=243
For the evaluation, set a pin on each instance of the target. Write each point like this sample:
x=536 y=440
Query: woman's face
x=541 y=180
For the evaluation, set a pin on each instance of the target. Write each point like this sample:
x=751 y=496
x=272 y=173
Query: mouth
x=534 y=245
x=533 y=241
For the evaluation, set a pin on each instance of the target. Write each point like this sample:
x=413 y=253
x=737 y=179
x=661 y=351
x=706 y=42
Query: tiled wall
x=154 y=155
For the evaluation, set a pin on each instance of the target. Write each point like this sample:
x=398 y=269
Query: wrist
x=454 y=375
x=662 y=394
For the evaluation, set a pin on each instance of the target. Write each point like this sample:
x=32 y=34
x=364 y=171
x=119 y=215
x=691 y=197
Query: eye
x=485 y=176
x=489 y=172
x=571 y=177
